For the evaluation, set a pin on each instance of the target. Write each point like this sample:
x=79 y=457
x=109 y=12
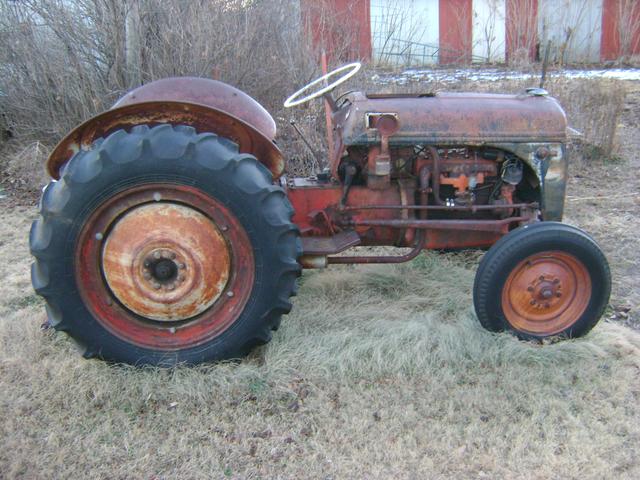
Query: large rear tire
x=543 y=280
x=163 y=246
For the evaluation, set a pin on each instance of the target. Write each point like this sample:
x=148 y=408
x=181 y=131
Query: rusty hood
x=453 y=118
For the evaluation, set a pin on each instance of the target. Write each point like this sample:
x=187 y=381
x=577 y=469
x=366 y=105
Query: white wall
x=489 y=33
x=583 y=18
x=396 y=23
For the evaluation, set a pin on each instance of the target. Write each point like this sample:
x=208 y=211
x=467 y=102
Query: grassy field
x=379 y=372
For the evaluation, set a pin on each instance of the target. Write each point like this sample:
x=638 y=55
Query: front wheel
x=163 y=246
x=542 y=280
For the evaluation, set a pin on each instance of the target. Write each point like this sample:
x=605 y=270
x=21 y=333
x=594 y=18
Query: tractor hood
x=452 y=118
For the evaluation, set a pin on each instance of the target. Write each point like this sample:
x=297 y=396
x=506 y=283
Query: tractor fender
x=206 y=105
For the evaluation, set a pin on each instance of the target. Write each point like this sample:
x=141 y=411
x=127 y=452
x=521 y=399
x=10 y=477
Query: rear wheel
x=164 y=246
x=542 y=280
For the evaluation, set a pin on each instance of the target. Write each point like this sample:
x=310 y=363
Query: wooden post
x=327 y=112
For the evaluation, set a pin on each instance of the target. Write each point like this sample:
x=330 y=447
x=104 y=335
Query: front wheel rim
x=546 y=293
x=146 y=282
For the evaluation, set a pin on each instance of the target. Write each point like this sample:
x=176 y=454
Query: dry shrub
x=594 y=108
x=66 y=61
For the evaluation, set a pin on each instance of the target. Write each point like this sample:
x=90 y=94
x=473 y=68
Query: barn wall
x=522 y=30
x=489 y=32
x=340 y=27
x=620 y=29
x=456 y=26
x=582 y=18
x=405 y=31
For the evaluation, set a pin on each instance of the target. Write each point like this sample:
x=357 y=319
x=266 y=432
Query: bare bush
x=627 y=16
x=66 y=61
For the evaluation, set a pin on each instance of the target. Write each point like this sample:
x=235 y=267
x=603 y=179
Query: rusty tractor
x=169 y=233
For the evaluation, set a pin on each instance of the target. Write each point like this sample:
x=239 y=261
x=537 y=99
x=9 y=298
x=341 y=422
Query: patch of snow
x=489 y=75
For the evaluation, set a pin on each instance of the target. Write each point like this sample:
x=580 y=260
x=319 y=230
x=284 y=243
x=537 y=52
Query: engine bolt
x=230 y=294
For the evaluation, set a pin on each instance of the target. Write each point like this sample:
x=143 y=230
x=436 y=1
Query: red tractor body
x=167 y=276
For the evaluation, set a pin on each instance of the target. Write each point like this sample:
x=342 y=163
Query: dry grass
x=380 y=372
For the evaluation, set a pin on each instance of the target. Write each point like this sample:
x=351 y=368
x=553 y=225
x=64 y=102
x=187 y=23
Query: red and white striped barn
x=462 y=31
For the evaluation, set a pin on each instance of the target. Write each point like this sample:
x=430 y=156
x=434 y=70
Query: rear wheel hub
x=165 y=266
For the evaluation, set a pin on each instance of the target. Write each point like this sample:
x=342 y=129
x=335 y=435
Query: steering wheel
x=352 y=68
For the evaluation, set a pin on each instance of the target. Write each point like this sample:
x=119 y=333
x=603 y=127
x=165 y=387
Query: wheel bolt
x=532 y=302
x=558 y=294
x=147 y=264
x=172 y=256
x=546 y=305
x=147 y=276
x=181 y=266
x=556 y=281
x=156 y=255
x=171 y=287
x=181 y=278
x=156 y=286
x=541 y=277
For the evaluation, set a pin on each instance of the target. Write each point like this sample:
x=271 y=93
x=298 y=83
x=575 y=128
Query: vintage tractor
x=169 y=233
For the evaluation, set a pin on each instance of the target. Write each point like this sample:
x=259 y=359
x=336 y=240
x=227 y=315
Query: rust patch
x=157 y=261
x=167 y=334
x=203 y=118
x=203 y=91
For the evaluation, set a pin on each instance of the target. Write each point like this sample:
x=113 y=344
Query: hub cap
x=164 y=266
x=157 y=261
x=546 y=293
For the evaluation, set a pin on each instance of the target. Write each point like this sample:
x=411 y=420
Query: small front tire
x=543 y=280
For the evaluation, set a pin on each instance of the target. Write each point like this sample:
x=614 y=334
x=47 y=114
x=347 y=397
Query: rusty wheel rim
x=546 y=293
x=164 y=266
